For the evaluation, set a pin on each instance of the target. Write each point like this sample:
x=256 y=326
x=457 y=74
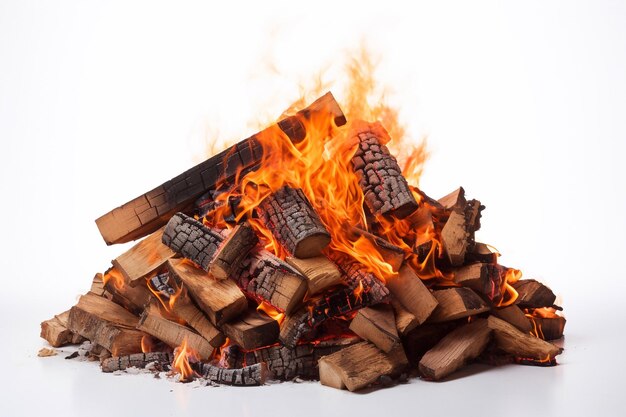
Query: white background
x=523 y=104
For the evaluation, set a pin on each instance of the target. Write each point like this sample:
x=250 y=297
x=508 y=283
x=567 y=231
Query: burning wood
x=303 y=251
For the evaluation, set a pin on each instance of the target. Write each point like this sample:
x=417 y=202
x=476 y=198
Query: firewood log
x=134 y=299
x=320 y=272
x=533 y=294
x=405 y=320
x=377 y=324
x=409 y=290
x=252 y=330
x=386 y=190
x=453 y=200
x=483 y=278
x=232 y=251
x=137 y=360
x=455 y=303
x=55 y=331
x=457 y=236
x=513 y=341
x=242 y=377
x=514 y=315
x=390 y=253
x=186 y=310
x=455 y=350
x=288 y=214
x=148 y=212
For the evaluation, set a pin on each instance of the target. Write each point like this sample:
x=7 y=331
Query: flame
x=271 y=311
x=321 y=165
x=358 y=292
x=147 y=344
x=166 y=303
x=543 y=312
x=182 y=355
x=512 y=275
x=114 y=276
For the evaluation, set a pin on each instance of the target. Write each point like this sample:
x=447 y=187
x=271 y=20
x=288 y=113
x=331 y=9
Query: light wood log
x=252 y=330
x=411 y=292
x=453 y=200
x=219 y=300
x=134 y=299
x=455 y=350
x=97 y=286
x=148 y=212
x=320 y=272
x=173 y=334
x=423 y=338
x=405 y=320
x=232 y=251
x=186 y=310
x=514 y=315
x=455 y=303
x=377 y=324
x=56 y=333
x=513 y=341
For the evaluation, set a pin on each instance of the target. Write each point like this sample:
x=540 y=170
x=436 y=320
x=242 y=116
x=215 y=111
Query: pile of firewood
x=209 y=299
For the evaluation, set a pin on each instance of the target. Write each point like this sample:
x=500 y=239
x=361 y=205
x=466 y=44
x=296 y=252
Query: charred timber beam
x=136 y=360
x=148 y=212
x=242 y=377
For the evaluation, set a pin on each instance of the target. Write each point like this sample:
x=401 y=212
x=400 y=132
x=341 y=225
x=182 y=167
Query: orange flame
x=147 y=344
x=166 y=303
x=182 y=355
x=358 y=292
x=114 y=276
x=543 y=312
x=508 y=292
x=321 y=165
x=271 y=311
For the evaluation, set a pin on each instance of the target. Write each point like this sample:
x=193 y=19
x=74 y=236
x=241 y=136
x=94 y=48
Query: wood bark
x=232 y=251
x=288 y=214
x=409 y=290
x=192 y=239
x=359 y=365
x=252 y=330
x=242 y=377
x=55 y=331
x=377 y=324
x=144 y=258
x=455 y=303
x=136 y=360
x=173 y=334
x=533 y=294
x=219 y=300
x=486 y=279
x=513 y=341
x=148 y=212
x=320 y=272
x=513 y=315
x=265 y=277
x=385 y=189
x=455 y=350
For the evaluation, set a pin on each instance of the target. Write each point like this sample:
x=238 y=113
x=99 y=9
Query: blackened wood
x=265 y=277
x=192 y=239
x=533 y=294
x=380 y=177
x=455 y=303
x=320 y=272
x=356 y=275
x=513 y=341
x=136 y=360
x=144 y=258
x=252 y=330
x=148 y=212
x=288 y=214
x=377 y=324
x=220 y=300
x=55 y=331
x=242 y=377
x=408 y=289
x=232 y=251
x=455 y=350
x=481 y=253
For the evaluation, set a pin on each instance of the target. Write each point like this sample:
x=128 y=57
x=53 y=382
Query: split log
x=386 y=191
x=148 y=212
x=486 y=279
x=242 y=377
x=514 y=315
x=455 y=350
x=173 y=334
x=220 y=300
x=286 y=363
x=377 y=324
x=359 y=365
x=106 y=324
x=457 y=236
x=56 y=333
x=390 y=253
x=515 y=342
x=288 y=214
x=320 y=272
x=455 y=303
x=136 y=360
x=423 y=338
x=550 y=328
x=405 y=320
x=144 y=258
x=264 y=276
x=192 y=239
x=232 y=251
x=134 y=299
x=186 y=310
x=453 y=200
x=533 y=294
x=481 y=253
x=97 y=286
x=294 y=326
x=408 y=289
x=357 y=276
x=252 y=330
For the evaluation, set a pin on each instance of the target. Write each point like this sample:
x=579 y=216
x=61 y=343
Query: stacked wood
x=386 y=190
x=513 y=341
x=186 y=310
x=252 y=330
x=219 y=300
x=424 y=337
x=378 y=325
x=457 y=236
x=143 y=259
x=359 y=366
x=514 y=315
x=56 y=333
x=484 y=278
x=533 y=294
x=134 y=299
x=455 y=350
x=409 y=290
x=294 y=223
x=320 y=272
x=405 y=320
x=453 y=200
x=232 y=251
x=148 y=212
x=136 y=360
x=550 y=328
x=391 y=254
x=455 y=303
